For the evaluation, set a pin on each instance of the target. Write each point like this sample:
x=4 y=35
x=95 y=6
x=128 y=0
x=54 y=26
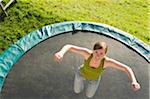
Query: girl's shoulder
x=107 y=60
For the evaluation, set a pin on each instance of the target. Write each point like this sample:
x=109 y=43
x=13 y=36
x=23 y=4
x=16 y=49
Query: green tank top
x=90 y=73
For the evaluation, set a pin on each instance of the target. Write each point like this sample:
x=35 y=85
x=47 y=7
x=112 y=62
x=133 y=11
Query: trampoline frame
x=11 y=55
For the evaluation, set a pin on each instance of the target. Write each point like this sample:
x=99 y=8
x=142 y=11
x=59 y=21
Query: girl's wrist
x=134 y=81
x=62 y=53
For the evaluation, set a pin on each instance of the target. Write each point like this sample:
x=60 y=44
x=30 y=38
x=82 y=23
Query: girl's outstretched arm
x=115 y=64
x=72 y=48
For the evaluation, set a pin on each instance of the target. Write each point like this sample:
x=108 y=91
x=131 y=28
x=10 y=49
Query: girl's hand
x=135 y=86
x=58 y=56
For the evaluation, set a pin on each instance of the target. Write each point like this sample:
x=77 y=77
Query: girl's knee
x=77 y=90
x=89 y=95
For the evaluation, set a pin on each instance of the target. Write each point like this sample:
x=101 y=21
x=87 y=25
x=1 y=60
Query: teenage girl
x=93 y=66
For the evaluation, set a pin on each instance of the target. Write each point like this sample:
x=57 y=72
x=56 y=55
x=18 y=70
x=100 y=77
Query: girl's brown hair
x=100 y=45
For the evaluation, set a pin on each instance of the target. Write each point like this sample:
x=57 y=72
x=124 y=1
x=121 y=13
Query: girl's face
x=99 y=53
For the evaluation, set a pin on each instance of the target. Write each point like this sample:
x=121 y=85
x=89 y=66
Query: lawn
x=28 y=15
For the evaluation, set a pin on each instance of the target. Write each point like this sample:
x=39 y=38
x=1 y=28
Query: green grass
x=28 y=15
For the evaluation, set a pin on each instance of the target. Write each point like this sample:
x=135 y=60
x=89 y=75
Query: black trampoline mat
x=37 y=76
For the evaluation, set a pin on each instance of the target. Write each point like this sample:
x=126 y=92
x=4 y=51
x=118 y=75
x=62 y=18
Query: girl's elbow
x=68 y=45
x=128 y=69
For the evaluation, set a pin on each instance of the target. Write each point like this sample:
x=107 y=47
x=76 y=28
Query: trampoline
x=28 y=70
